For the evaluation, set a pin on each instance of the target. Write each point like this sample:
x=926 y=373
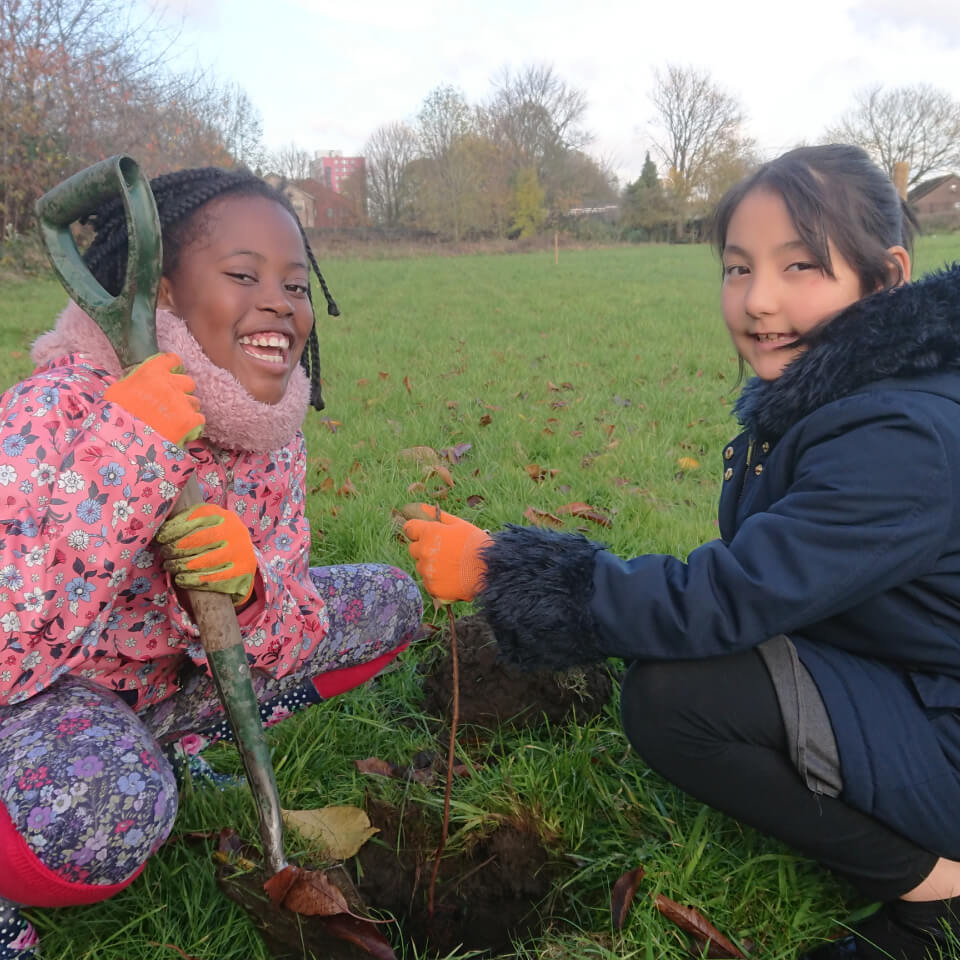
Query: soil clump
x=494 y=692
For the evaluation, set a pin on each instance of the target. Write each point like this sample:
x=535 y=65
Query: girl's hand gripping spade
x=129 y=321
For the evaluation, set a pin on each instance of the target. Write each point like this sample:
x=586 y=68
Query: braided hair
x=180 y=197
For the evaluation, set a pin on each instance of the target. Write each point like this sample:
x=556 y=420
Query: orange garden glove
x=159 y=393
x=209 y=548
x=447 y=553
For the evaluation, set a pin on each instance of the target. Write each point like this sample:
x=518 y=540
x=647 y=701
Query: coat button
x=758 y=469
x=728 y=453
x=728 y=473
x=765 y=447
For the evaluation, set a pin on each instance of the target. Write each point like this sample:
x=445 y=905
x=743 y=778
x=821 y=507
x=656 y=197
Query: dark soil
x=496 y=693
x=486 y=895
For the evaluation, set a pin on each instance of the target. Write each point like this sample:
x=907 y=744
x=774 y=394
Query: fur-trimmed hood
x=911 y=331
x=235 y=420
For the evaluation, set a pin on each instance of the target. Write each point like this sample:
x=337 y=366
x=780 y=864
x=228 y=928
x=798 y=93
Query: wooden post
x=901 y=173
x=556 y=246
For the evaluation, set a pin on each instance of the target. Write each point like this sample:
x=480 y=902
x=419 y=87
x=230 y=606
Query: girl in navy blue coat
x=802 y=672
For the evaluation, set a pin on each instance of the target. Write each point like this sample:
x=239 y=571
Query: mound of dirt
x=494 y=692
x=486 y=895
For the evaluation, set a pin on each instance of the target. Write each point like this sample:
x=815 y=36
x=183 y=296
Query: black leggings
x=713 y=727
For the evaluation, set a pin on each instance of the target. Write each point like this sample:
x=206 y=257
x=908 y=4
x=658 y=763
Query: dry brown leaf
x=486 y=420
x=382 y=374
x=540 y=517
x=688 y=463
x=280 y=883
x=340 y=830
x=584 y=510
x=326 y=485
x=375 y=766
x=363 y=382
x=439 y=470
x=474 y=500
x=406 y=383
x=331 y=425
x=348 y=489
x=622 y=895
x=313 y=895
x=694 y=922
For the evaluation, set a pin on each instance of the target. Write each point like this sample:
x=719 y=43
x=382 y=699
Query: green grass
x=636 y=334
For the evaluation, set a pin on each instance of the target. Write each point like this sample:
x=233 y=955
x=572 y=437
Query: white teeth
x=270 y=357
x=774 y=336
x=267 y=340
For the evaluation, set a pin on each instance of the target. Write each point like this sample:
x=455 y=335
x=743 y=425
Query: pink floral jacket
x=84 y=486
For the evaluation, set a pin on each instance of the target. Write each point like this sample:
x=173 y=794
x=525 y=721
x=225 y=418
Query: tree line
x=83 y=79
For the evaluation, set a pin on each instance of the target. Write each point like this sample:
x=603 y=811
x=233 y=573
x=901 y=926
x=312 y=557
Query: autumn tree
x=527 y=212
x=84 y=79
x=446 y=173
x=389 y=151
x=917 y=125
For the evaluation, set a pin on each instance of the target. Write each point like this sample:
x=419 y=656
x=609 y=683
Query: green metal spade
x=129 y=321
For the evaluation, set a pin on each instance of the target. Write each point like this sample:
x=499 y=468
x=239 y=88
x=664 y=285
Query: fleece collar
x=913 y=330
x=235 y=420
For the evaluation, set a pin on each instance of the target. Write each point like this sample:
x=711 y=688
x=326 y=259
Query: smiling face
x=774 y=291
x=240 y=285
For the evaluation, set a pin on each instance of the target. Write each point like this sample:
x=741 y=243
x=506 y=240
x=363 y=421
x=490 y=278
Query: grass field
x=611 y=368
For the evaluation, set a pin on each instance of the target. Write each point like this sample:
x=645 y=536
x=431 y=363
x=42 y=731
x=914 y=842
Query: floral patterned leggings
x=87 y=787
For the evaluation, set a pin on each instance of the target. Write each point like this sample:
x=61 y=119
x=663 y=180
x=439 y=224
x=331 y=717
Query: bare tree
x=291 y=162
x=696 y=122
x=536 y=114
x=918 y=125
x=389 y=152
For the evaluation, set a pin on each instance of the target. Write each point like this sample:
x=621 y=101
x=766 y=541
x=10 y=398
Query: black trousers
x=713 y=727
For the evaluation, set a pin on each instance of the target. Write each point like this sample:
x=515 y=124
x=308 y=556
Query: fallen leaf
x=688 y=463
x=313 y=895
x=474 y=500
x=622 y=895
x=406 y=383
x=341 y=830
x=455 y=454
x=584 y=510
x=326 y=485
x=382 y=374
x=552 y=386
x=486 y=420
x=363 y=382
x=416 y=487
x=539 y=517
x=331 y=425
x=452 y=404
x=419 y=454
x=438 y=469
x=348 y=489
x=280 y=883
x=375 y=766
x=694 y=922
x=362 y=933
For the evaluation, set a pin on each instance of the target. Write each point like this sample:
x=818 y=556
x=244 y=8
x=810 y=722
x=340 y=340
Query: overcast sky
x=326 y=73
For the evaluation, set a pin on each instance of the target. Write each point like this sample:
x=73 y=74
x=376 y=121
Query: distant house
x=301 y=200
x=333 y=210
x=319 y=207
x=936 y=202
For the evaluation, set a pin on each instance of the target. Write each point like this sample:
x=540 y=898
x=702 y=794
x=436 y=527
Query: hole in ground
x=489 y=893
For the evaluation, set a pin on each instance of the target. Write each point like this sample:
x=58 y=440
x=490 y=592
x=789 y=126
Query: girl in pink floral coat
x=103 y=685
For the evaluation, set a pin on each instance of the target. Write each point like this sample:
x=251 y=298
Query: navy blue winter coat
x=840 y=526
